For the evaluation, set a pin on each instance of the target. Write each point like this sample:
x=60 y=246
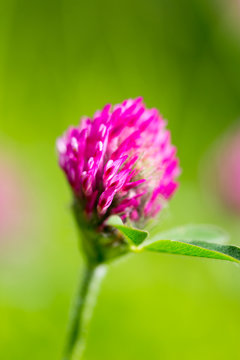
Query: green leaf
x=195 y=248
x=192 y=233
x=133 y=236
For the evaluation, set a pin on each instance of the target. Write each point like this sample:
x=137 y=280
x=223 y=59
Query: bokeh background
x=60 y=59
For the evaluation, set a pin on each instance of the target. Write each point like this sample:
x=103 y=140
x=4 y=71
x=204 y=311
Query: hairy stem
x=82 y=311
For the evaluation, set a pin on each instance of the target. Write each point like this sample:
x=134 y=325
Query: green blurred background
x=63 y=59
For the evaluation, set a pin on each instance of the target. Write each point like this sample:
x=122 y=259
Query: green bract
x=191 y=240
x=132 y=235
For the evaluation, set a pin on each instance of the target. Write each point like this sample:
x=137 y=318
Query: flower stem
x=82 y=310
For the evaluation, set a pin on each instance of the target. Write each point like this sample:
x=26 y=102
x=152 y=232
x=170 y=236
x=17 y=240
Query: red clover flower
x=120 y=162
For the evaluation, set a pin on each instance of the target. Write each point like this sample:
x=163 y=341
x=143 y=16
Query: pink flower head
x=120 y=162
x=227 y=174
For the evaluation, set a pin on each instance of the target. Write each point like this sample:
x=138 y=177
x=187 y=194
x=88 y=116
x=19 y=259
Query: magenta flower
x=120 y=162
x=227 y=174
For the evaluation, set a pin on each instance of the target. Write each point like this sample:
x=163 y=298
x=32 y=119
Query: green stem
x=82 y=311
